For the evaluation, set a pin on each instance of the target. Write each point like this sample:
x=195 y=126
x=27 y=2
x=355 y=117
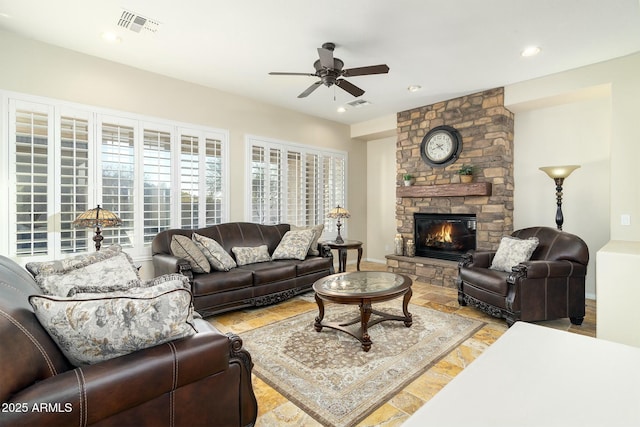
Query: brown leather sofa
x=551 y=285
x=248 y=285
x=201 y=380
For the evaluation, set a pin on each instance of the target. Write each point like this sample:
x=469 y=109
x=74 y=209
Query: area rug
x=329 y=376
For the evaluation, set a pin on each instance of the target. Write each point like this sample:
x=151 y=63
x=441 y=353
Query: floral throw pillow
x=95 y=328
x=317 y=232
x=216 y=255
x=512 y=251
x=184 y=247
x=108 y=270
x=251 y=255
x=294 y=245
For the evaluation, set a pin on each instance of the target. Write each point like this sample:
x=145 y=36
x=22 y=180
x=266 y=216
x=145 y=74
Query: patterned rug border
x=356 y=417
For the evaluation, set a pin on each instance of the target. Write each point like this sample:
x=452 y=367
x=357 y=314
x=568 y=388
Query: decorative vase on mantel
x=465 y=179
x=407 y=179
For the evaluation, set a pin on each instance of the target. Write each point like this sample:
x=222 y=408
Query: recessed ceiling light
x=341 y=109
x=530 y=51
x=414 y=88
x=110 y=37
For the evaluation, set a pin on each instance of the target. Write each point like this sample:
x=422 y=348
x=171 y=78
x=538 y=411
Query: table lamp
x=97 y=218
x=338 y=213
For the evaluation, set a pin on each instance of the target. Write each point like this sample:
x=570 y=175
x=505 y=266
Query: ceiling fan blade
x=349 y=87
x=310 y=89
x=363 y=71
x=326 y=58
x=278 y=73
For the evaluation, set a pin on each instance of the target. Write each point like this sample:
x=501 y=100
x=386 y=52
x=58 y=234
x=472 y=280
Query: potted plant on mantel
x=466 y=173
x=407 y=179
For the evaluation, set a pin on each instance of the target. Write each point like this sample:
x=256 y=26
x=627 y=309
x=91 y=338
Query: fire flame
x=443 y=234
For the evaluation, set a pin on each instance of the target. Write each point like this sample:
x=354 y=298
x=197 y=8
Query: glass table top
x=360 y=282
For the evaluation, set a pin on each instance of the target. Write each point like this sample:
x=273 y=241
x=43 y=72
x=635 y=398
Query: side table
x=342 y=252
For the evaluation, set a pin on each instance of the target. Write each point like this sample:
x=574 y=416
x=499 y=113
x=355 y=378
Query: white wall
x=622 y=75
x=576 y=132
x=381 y=189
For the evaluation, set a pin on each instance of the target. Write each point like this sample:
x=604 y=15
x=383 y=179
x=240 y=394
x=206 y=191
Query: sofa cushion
x=216 y=255
x=221 y=281
x=317 y=233
x=294 y=245
x=494 y=281
x=313 y=265
x=512 y=251
x=106 y=269
x=184 y=247
x=251 y=255
x=100 y=327
x=269 y=272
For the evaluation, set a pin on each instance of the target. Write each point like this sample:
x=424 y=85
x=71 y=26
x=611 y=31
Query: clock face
x=441 y=146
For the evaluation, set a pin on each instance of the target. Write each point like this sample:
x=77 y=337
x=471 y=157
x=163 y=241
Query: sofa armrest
x=92 y=393
x=540 y=269
x=325 y=250
x=167 y=264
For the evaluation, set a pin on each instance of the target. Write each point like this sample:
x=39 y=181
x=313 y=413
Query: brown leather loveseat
x=200 y=380
x=550 y=285
x=249 y=285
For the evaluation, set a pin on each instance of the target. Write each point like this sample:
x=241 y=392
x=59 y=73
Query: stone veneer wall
x=486 y=127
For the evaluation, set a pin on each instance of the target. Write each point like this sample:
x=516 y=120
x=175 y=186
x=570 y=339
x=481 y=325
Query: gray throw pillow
x=317 y=233
x=251 y=255
x=216 y=255
x=184 y=247
x=110 y=269
x=512 y=251
x=294 y=245
x=99 y=327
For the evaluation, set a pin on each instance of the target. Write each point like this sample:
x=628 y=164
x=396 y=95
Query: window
x=117 y=153
x=65 y=159
x=293 y=183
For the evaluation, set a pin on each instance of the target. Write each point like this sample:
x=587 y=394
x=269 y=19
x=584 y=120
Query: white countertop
x=538 y=376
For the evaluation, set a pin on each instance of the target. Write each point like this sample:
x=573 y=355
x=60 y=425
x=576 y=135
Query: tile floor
x=275 y=410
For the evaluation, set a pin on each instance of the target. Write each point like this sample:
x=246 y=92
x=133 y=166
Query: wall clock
x=441 y=146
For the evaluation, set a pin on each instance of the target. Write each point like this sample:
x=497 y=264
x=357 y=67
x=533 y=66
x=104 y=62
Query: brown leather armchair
x=551 y=285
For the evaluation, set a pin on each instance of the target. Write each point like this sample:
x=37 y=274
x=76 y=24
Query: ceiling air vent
x=137 y=23
x=359 y=103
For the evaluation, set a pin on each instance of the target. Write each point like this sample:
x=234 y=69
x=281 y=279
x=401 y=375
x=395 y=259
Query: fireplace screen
x=444 y=236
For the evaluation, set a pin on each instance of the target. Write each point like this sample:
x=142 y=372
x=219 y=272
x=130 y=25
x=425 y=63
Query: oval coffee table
x=363 y=288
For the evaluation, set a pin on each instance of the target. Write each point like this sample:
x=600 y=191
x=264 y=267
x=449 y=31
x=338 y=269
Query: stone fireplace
x=486 y=127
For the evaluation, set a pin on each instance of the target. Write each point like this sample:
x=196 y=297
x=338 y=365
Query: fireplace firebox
x=444 y=236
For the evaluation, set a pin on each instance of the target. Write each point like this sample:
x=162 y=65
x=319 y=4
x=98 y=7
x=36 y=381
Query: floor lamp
x=98 y=218
x=558 y=174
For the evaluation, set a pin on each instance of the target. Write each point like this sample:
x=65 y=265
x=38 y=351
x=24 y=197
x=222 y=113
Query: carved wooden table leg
x=405 y=308
x=318 y=323
x=365 y=315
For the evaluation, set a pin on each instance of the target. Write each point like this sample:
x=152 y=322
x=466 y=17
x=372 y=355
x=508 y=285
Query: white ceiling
x=449 y=47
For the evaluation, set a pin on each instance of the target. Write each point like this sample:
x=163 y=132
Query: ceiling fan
x=330 y=72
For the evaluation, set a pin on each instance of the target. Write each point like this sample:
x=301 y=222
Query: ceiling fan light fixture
x=530 y=51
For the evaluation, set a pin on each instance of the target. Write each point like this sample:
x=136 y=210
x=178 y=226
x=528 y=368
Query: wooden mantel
x=445 y=190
